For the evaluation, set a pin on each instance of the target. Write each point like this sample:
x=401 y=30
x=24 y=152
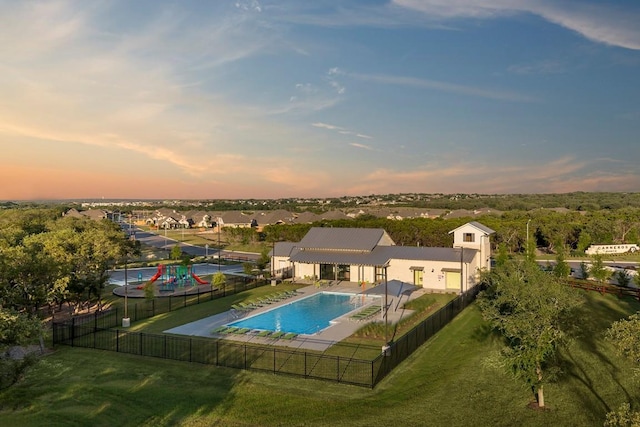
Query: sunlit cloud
x=362 y=146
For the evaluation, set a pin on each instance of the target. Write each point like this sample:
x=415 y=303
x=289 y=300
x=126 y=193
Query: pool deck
x=342 y=327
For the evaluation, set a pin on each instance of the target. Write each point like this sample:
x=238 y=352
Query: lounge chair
x=220 y=329
x=241 y=331
x=230 y=330
x=277 y=335
x=289 y=336
x=263 y=334
x=238 y=307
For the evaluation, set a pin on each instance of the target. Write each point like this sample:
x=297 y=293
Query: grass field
x=446 y=382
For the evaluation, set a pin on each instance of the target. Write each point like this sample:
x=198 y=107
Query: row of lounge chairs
x=234 y=330
x=244 y=307
x=366 y=313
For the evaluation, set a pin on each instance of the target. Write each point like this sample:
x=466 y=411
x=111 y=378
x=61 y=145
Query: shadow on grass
x=587 y=360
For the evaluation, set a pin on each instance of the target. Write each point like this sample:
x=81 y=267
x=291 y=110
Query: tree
x=16 y=329
x=502 y=257
x=584 y=270
x=533 y=311
x=623 y=417
x=598 y=271
x=622 y=278
x=176 y=252
x=261 y=263
x=625 y=337
x=219 y=280
x=562 y=268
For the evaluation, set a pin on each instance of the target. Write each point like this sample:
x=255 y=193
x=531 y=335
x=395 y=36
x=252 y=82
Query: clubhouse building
x=370 y=255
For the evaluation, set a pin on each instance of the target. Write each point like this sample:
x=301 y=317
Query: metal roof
x=477 y=225
x=345 y=239
x=381 y=255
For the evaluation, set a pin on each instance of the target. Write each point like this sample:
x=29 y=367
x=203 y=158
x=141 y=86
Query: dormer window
x=468 y=237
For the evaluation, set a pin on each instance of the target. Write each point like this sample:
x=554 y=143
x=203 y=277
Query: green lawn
x=446 y=382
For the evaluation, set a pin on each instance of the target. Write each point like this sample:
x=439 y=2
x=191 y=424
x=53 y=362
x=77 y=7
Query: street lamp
x=126 y=321
x=527 y=243
x=218 y=244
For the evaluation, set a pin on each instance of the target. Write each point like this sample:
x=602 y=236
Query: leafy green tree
x=561 y=268
x=533 y=312
x=219 y=280
x=502 y=257
x=625 y=337
x=584 y=270
x=622 y=278
x=16 y=329
x=623 y=417
x=598 y=271
x=176 y=252
x=261 y=263
x=248 y=267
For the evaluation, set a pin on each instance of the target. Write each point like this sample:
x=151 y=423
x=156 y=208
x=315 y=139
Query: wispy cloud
x=599 y=22
x=341 y=130
x=362 y=146
x=441 y=86
x=542 y=67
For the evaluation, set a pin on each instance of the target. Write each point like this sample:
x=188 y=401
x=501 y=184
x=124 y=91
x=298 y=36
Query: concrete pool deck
x=342 y=327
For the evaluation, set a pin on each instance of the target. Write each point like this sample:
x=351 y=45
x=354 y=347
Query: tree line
x=548 y=230
x=48 y=260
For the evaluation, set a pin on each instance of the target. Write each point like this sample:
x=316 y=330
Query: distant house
x=370 y=255
x=235 y=219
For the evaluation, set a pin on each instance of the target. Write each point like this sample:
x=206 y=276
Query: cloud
x=599 y=22
x=341 y=130
x=556 y=176
x=326 y=126
x=442 y=87
x=363 y=146
x=542 y=67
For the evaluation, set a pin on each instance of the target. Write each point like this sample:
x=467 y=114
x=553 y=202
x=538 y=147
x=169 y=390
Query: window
x=468 y=237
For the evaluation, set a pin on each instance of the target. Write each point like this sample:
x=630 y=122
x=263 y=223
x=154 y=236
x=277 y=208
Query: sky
x=156 y=99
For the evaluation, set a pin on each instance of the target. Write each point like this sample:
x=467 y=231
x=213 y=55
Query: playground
x=169 y=280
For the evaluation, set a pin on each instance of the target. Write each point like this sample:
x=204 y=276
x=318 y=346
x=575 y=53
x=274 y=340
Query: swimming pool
x=307 y=315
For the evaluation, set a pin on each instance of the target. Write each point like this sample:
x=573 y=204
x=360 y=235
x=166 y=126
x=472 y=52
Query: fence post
x=117 y=340
x=73 y=329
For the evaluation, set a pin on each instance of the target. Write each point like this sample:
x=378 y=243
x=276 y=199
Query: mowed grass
x=446 y=382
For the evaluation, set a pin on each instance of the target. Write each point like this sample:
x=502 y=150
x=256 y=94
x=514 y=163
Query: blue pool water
x=305 y=316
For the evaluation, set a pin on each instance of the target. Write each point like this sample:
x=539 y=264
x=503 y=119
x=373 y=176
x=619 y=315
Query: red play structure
x=179 y=275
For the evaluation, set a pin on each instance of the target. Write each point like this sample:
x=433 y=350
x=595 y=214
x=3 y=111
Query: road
x=142 y=274
x=161 y=242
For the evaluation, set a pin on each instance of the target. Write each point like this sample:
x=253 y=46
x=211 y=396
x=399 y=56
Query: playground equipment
x=173 y=276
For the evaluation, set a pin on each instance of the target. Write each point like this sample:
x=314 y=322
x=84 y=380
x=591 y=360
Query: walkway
x=341 y=327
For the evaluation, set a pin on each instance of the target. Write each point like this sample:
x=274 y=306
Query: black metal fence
x=97 y=331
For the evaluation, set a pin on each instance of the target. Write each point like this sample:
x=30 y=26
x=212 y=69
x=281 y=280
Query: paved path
x=341 y=327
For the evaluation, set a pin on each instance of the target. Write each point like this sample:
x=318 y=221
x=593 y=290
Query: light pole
x=219 y=244
x=126 y=321
x=527 y=243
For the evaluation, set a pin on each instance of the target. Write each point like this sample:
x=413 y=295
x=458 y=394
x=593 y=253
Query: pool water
x=307 y=315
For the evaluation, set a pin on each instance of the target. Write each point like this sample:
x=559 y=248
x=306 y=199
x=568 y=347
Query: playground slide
x=157 y=275
x=199 y=280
